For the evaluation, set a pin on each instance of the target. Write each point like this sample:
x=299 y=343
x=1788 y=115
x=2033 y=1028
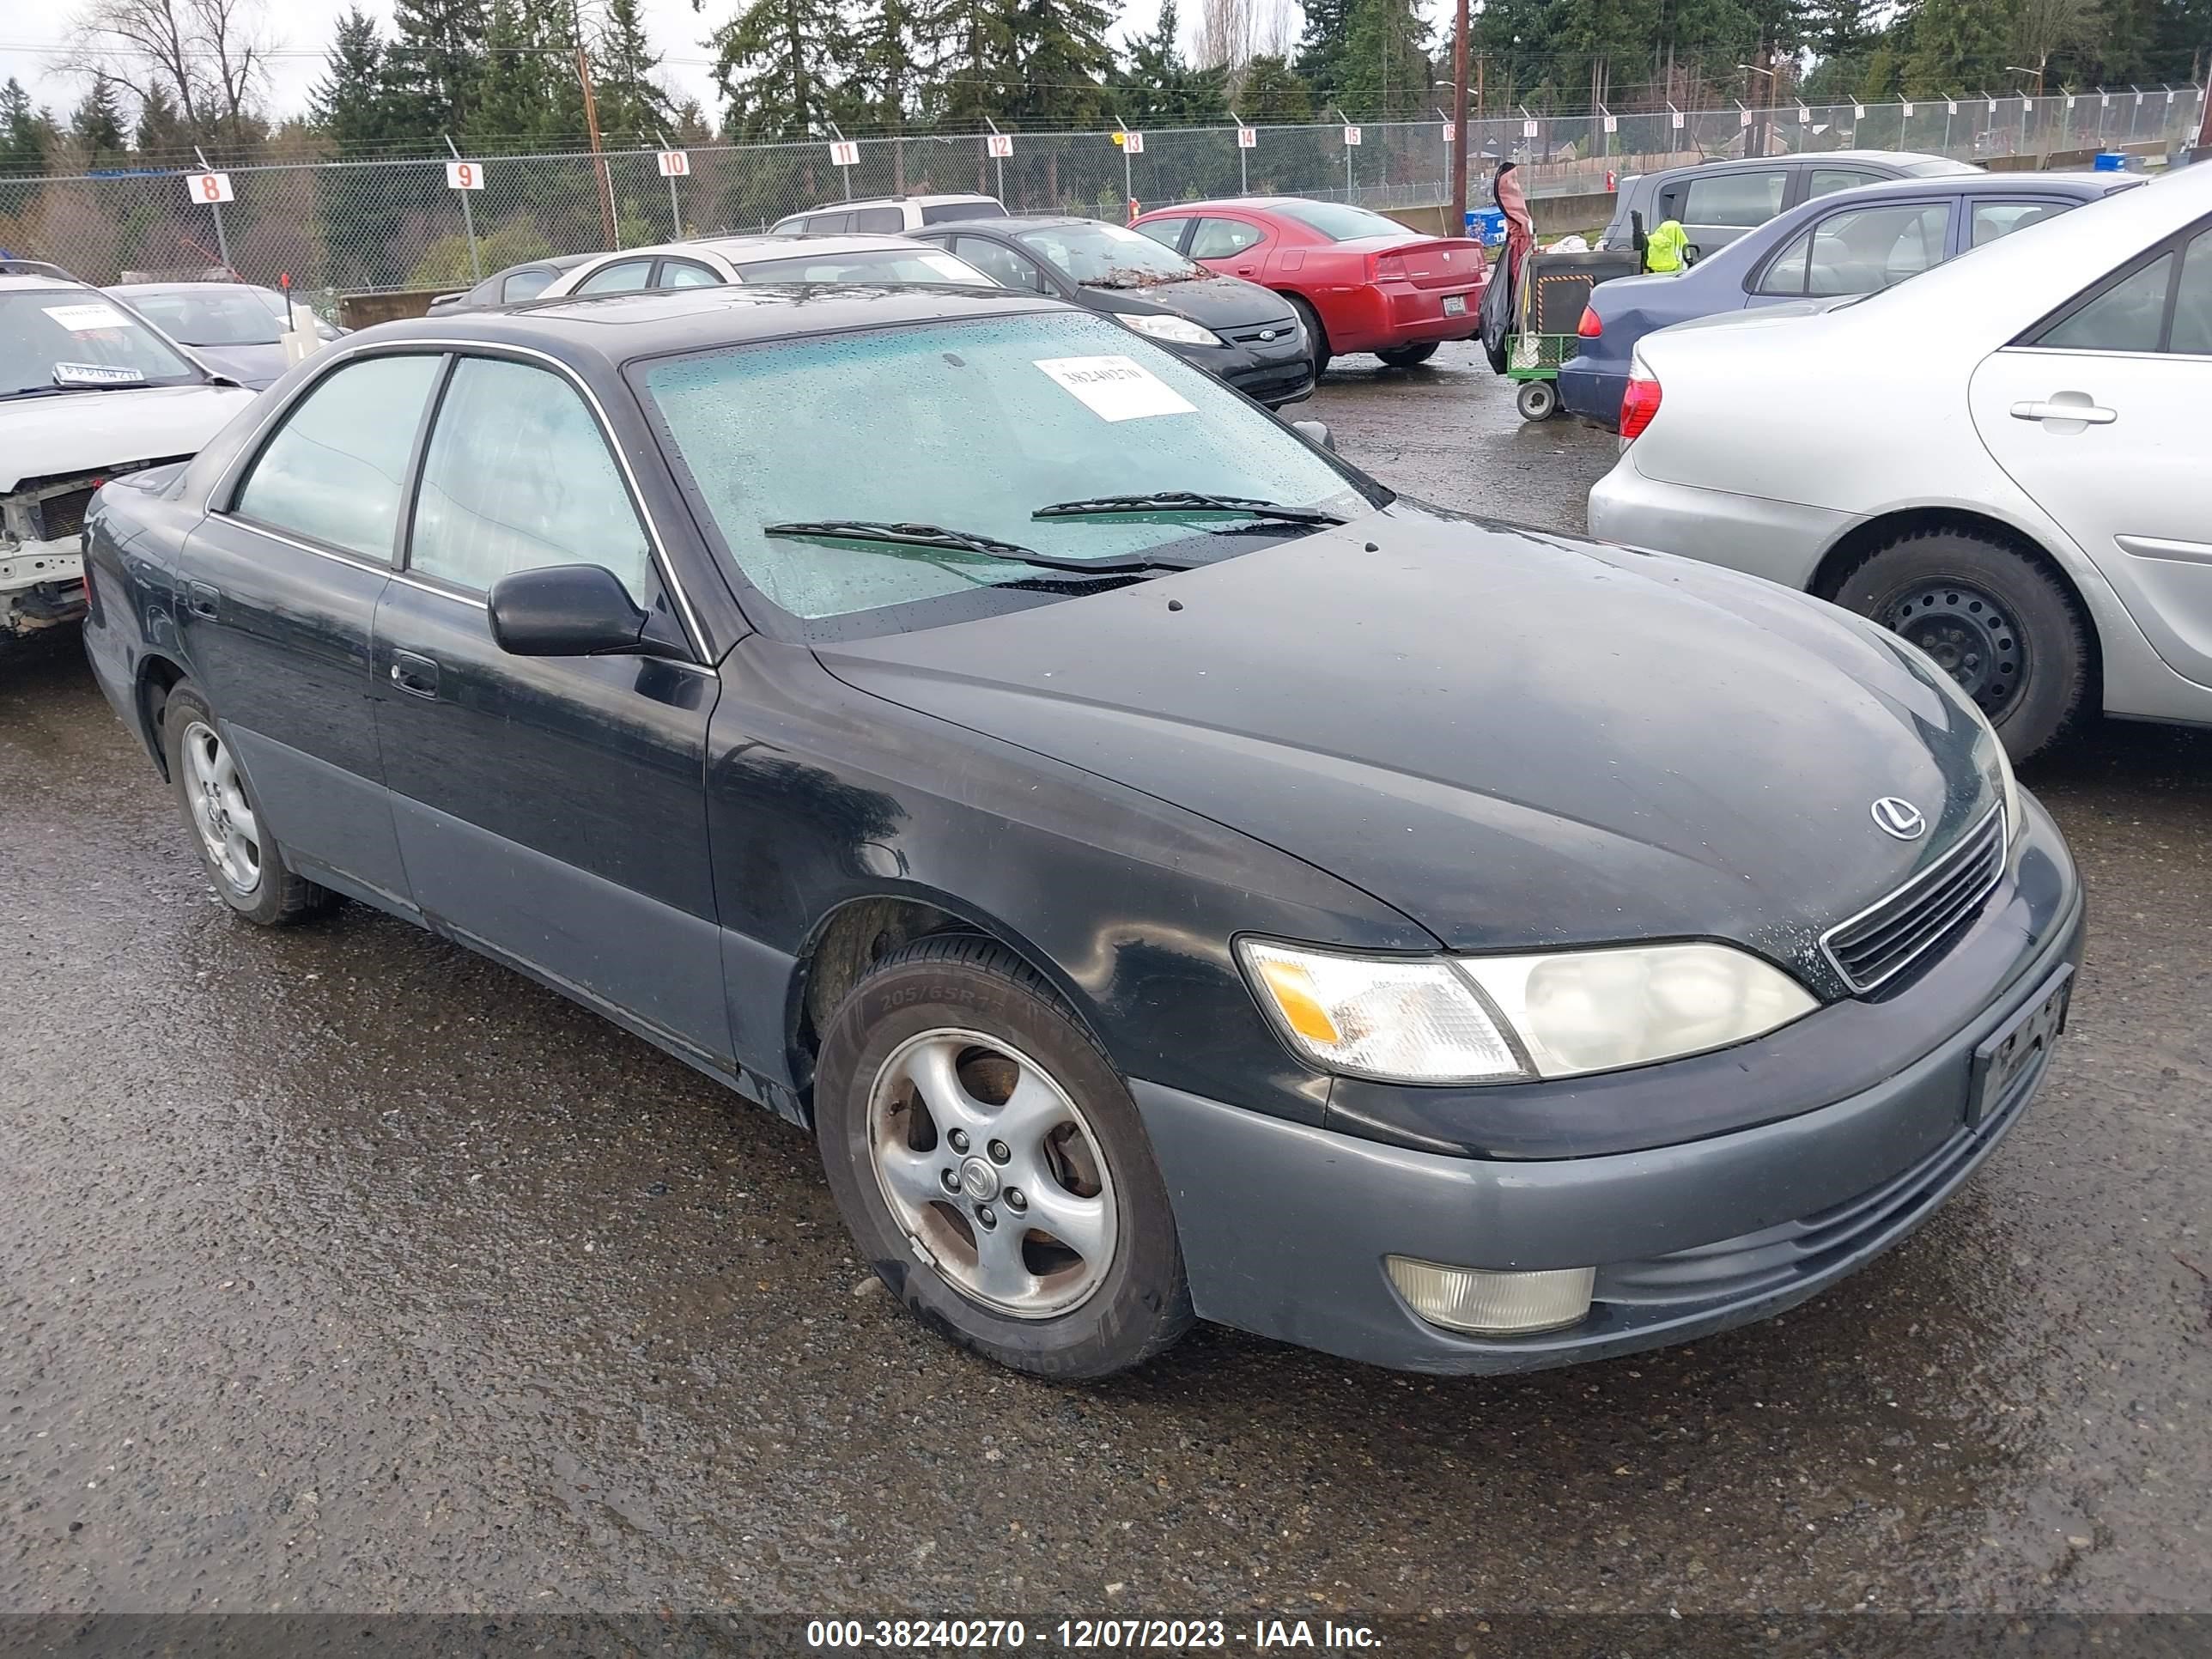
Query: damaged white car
x=87 y=391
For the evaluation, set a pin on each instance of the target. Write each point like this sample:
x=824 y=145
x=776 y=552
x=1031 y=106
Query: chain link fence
x=360 y=225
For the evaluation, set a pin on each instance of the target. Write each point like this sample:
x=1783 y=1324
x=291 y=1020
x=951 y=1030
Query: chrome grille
x=1881 y=941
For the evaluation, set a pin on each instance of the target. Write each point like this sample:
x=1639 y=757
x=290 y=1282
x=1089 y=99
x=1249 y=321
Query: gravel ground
x=342 y=1270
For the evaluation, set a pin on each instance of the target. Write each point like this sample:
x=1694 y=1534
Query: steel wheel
x=1536 y=400
x=1970 y=634
x=226 y=822
x=991 y=1169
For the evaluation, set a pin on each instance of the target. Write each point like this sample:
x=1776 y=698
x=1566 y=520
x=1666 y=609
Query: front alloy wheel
x=228 y=828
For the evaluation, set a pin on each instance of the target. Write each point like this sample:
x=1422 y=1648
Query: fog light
x=1493 y=1303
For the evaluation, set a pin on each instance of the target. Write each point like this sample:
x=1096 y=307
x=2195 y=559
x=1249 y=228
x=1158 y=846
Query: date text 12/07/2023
x=1088 y=1635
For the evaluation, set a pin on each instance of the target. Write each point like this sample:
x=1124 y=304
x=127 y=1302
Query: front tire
x=1995 y=620
x=1407 y=356
x=991 y=1166
x=1316 y=336
x=237 y=851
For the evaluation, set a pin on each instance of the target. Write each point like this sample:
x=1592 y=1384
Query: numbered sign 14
x=1248 y=137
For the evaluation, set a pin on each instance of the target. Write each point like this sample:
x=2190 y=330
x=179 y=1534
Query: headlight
x=1990 y=750
x=1176 y=330
x=1498 y=1019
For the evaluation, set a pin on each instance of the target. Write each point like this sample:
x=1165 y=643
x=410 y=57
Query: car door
x=1716 y=208
x=1002 y=263
x=550 y=809
x=1170 y=232
x=1230 y=246
x=2099 y=414
x=277 y=602
x=1858 y=249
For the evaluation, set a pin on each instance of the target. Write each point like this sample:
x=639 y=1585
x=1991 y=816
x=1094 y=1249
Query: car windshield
x=79 y=339
x=1099 y=255
x=209 y=316
x=971 y=426
x=888 y=264
x=1338 y=222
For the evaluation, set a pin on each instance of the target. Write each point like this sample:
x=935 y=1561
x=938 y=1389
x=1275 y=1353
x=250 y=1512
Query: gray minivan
x=1718 y=201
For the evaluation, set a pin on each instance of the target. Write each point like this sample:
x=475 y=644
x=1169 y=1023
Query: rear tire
x=1407 y=356
x=992 y=1165
x=1537 y=400
x=237 y=850
x=1994 y=618
x=1316 y=336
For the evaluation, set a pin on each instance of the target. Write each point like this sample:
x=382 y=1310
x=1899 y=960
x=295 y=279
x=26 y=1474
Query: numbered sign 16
x=1000 y=144
x=464 y=175
x=845 y=153
x=209 y=187
x=1248 y=137
x=674 y=163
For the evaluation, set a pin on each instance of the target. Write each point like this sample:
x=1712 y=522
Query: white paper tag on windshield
x=1116 y=388
x=83 y=319
x=95 y=374
x=946 y=266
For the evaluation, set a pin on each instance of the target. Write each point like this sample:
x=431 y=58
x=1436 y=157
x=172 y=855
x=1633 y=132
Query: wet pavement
x=340 y=1269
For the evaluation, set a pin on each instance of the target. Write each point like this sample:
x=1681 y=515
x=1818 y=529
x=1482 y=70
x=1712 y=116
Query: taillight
x=1385 y=267
x=1638 y=406
x=1591 y=325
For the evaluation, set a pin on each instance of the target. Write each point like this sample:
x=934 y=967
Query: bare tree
x=2042 y=29
x=206 y=57
x=1232 y=32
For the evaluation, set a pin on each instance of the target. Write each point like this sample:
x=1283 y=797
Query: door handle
x=203 y=599
x=2088 y=414
x=416 y=676
x=1246 y=270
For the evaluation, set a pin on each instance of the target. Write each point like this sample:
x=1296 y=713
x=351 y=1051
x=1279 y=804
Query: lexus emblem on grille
x=1898 y=816
x=1267 y=333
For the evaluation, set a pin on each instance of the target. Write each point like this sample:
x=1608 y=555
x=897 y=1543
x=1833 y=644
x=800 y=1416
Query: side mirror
x=1318 y=431
x=564 y=611
x=1691 y=254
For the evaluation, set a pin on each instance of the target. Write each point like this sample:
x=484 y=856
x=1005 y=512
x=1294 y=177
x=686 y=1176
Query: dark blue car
x=1850 y=242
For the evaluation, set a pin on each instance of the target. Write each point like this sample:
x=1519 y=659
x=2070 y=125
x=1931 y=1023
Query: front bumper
x=1284 y=1226
x=1274 y=373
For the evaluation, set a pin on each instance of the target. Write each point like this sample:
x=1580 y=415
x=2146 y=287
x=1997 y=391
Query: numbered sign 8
x=845 y=153
x=674 y=163
x=464 y=175
x=1000 y=144
x=209 y=187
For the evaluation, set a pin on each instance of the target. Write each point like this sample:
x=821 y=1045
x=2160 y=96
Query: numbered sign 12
x=845 y=153
x=464 y=175
x=674 y=163
x=999 y=144
x=209 y=187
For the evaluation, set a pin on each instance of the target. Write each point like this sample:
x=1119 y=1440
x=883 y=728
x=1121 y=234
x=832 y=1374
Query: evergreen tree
x=633 y=109
x=1385 y=68
x=779 y=69
x=434 y=64
x=352 y=102
x=971 y=75
x=1061 y=63
x=1321 y=46
x=26 y=134
x=96 y=124
x=887 y=78
x=1955 y=44
x=164 y=134
x=1158 y=89
x=1274 y=92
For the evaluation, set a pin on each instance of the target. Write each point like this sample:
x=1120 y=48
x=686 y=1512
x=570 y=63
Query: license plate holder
x=1455 y=304
x=2004 y=1056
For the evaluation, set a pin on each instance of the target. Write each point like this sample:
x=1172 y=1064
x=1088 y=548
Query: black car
x=1248 y=335
x=1168 y=873
x=510 y=286
x=237 y=328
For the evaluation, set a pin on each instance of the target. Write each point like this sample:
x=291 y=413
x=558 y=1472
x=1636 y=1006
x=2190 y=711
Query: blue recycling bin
x=2111 y=161
x=1488 y=226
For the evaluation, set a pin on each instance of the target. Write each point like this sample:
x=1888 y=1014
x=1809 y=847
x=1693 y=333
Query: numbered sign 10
x=209 y=187
x=464 y=175
x=674 y=163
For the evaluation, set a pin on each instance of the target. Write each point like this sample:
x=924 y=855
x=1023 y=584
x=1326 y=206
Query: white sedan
x=2006 y=459
x=717 y=260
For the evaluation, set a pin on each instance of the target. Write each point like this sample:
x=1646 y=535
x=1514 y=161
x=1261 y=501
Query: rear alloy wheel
x=1537 y=400
x=992 y=1165
x=1994 y=619
x=1406 y=356
x=1316 y=336
x=236 y=850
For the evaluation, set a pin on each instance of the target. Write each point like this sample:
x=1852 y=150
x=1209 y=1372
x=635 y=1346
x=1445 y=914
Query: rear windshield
x=77 y=339
x=1937 y=167
x=1338 y=222
x=209 y=317
x=876 y=265
x=939 y=213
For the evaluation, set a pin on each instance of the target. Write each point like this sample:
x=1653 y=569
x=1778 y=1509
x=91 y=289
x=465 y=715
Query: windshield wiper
x=962 y=541
x=1173 y=501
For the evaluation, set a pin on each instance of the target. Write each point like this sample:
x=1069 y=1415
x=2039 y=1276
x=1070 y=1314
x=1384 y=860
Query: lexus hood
x=1516 y=740
x=85 y=432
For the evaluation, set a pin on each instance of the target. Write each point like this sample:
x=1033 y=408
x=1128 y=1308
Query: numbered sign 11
x=845 y=153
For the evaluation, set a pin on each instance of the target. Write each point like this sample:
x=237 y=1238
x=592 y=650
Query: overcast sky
x=29 y=42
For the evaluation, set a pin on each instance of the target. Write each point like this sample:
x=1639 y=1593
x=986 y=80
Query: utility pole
x=1459 y=125
x=598 y=158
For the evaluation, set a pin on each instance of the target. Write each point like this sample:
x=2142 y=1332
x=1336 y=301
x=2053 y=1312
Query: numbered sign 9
x=464 y=175
x=845 y=153
x=1000 y=144
x=209 y=187
x=674 y=163
x=1248 y=137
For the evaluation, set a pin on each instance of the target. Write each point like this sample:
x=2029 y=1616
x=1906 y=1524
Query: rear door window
x=879 y=221
x=1741 y=200
x=685 y=273
x=1002 y=264
x=828 y=224
x=334 y=471
x=1827 y=179
x=1860 y=251
x=1990 y=221
x=623 y=276
x=525 y=285
x=1223 y=239
x=939 y=213
x=2165 y=305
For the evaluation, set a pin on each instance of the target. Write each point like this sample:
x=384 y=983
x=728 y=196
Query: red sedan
x=1360 y=281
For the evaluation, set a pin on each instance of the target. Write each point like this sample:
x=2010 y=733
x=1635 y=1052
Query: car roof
x=739 y=251
x=23 y=282
x=164 y=288
x=1013 y=221
x=608 y=329
x=894 y=201
x=2084 y=186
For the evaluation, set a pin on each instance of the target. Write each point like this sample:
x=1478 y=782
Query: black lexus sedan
x=1170 y=875
x=1248 y=335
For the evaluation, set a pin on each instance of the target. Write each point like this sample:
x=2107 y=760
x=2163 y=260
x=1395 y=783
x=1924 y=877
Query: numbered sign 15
x=1351 y=135
x=464 y=175
x=210 y=187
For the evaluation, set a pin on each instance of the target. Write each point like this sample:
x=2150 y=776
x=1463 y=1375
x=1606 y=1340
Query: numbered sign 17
x=209 y=187
x=845 y=153
x=464 y=175
x=674 y=163
x=1000 y=144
